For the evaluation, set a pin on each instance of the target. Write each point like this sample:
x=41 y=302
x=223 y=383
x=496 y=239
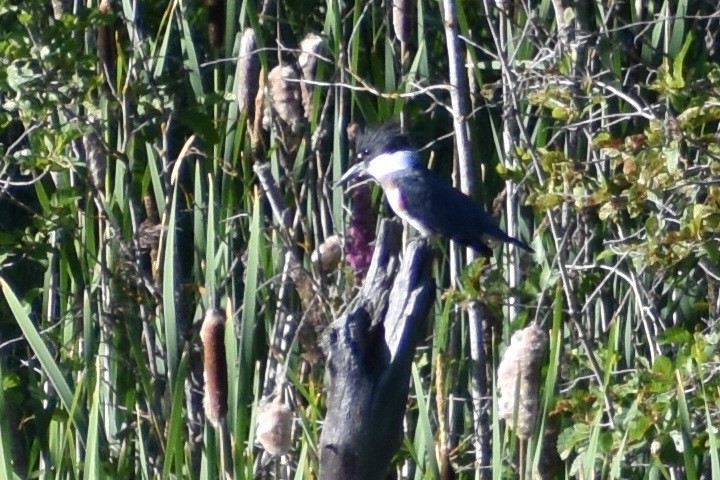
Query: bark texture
x=369 y=352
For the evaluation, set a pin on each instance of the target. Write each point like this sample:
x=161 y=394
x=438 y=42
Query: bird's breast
x=396 y=199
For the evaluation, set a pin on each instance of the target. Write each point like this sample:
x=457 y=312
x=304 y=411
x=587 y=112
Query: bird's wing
x=446 y=210
x=440 y=207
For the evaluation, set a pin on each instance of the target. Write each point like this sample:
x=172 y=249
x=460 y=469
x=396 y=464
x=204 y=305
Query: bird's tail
x=520 y=244
x=479 y=247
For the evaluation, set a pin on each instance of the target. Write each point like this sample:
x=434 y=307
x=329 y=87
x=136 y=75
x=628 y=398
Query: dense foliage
x=131 y=134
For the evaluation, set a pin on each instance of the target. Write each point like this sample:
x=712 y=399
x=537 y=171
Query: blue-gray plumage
x=418 y=195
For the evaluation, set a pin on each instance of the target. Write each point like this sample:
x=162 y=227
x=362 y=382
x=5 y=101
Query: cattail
x=286 y=98
x=310 y=48
x=256 y=121
x=274 y=426
x=248 y=72
x=519 y=378
x=326 y=256
x=267 y=12
x=61 y=7
x=150 y=229
x=502 y=4
x=353 y=131
x=216 y=22
x=106 y=43
x=401 y=19
x=212 y=335
x=149 y=234
x=96 y=157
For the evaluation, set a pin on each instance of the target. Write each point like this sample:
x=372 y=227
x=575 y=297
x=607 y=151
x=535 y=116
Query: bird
x=418 y=195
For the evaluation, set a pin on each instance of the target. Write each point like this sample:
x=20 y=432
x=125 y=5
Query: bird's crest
x=384 y=138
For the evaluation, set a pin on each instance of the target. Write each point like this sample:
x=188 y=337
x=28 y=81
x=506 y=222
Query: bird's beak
x=353 y=172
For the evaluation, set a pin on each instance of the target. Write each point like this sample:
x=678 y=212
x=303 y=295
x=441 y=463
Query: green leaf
x=200 y=123
x=674 y=335
x=607 y=211
x=49 y=366
x=546 y=201
x=170 y=294
x=677 y=34
x=570 y=437
x=5 y=443
x=560 y=113
x=663 y=366
x=651 y=226
x=176 y=428
x=638 y=427
x=92 y=449
x=698 y=116
x=672 y=160
x=687 y=432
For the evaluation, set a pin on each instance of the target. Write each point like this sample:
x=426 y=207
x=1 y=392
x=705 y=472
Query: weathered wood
x=369 y=352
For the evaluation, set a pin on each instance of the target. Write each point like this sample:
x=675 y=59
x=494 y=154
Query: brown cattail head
x=149 y=234
x=212 y=335
x=310 y=47
x=326 y=256
x=519 y=378
x=353 y=132
x=401 y=11
x=256 y=138
x=216 y=22
x=274 y=426
x=106 y=43
x=286 y=99
x=248 y=72
x=150 y=208
x=96 y=157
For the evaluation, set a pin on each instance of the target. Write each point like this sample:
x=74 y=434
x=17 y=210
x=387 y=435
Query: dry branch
x=459 y=96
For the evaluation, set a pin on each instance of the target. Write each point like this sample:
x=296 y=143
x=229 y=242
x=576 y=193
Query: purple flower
x=361 y=233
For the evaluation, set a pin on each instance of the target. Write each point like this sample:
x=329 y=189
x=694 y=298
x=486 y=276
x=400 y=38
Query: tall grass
x=589 y=130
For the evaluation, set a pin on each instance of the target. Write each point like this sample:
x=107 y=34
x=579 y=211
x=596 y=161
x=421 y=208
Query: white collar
x=388 y=164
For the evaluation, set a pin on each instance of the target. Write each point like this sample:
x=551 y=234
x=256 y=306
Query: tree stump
x=369 y=352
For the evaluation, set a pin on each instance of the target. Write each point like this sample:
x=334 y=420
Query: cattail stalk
x=106 y=45
x=401 y=10
x=460 y=110
x=440 y=400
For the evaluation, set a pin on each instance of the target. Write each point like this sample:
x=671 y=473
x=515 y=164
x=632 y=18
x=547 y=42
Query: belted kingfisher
x=418 y=195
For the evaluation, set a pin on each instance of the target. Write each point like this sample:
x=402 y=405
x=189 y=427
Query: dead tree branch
x=369 y=352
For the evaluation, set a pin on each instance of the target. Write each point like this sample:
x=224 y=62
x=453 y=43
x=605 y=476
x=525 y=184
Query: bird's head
x=380 y=152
